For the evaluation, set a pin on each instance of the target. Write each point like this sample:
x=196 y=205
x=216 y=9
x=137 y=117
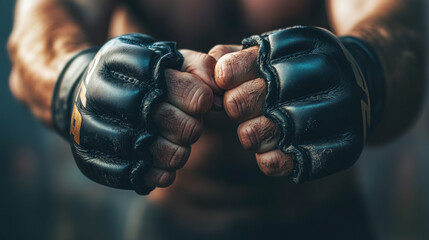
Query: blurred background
x=44 y=196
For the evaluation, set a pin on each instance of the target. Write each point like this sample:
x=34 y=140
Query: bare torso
x=199 y=25
x=221 y=181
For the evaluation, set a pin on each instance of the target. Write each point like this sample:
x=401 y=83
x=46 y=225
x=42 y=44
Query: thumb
x=220 y=50
x=203 y=65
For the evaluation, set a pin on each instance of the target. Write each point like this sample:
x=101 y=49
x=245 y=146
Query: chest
x=199 y=24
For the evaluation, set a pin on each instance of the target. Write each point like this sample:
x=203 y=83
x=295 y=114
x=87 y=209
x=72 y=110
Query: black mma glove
x=324 y=93
x=102 y=104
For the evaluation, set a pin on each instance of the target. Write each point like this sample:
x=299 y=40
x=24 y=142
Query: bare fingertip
x=275 y=163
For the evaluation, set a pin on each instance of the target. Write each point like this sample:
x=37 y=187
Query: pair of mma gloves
x=324 y=93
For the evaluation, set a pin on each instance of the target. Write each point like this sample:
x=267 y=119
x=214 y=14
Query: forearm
x=45 y=36
x=395 y=30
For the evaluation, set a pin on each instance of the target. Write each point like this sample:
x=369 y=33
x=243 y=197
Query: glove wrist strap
x=64 y=88
x=373 y=74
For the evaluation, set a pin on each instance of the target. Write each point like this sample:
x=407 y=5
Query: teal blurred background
x=44 y=196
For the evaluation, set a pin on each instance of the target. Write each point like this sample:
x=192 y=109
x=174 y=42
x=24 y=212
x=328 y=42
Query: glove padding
x=325 y=95
x=111 y=104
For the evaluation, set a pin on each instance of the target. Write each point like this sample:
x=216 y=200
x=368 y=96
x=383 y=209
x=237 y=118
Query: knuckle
x=206 y=59
x=178 y=157
x=191 y=130
x=256 y=92
x=201 y=99
x=235 y=104
x=168 y=155
x=248 y=136
x=163 y=115
x=179 y=85
x=268 y=130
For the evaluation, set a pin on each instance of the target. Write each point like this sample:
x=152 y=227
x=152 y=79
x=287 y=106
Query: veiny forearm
x=44 y=37
x=395 y=30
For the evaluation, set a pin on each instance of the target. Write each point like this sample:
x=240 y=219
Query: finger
x=245 y=101
x=156 y=177
x=188 y=92
x=258 y=134
x=275 y=163
x=201 y=65
x=167 y=155
x=177 y=126
x=236 y=68
x=219 y=50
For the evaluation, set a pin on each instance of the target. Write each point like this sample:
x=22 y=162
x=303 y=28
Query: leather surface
x=66 y=83
x=110 y=125
x=318 y=96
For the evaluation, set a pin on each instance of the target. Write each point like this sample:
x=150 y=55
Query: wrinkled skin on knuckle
x=200 y=61
x=185 y=91
x=248 y=137
x=178 y=157
x=168 y=155
x=201 y=99
x=270 y=137
x=235 y=104
x=258 y=134
x=256 y=92
x=178 y=127
x=191 y=130
x=165 y=115
x=267 y=130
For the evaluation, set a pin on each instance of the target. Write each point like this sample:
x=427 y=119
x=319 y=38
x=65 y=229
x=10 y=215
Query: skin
x=237 y=140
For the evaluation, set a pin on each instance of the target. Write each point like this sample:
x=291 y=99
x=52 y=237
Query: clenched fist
x=236 y=72
x=179 y=117
x=132 y=109
x=306 y=99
